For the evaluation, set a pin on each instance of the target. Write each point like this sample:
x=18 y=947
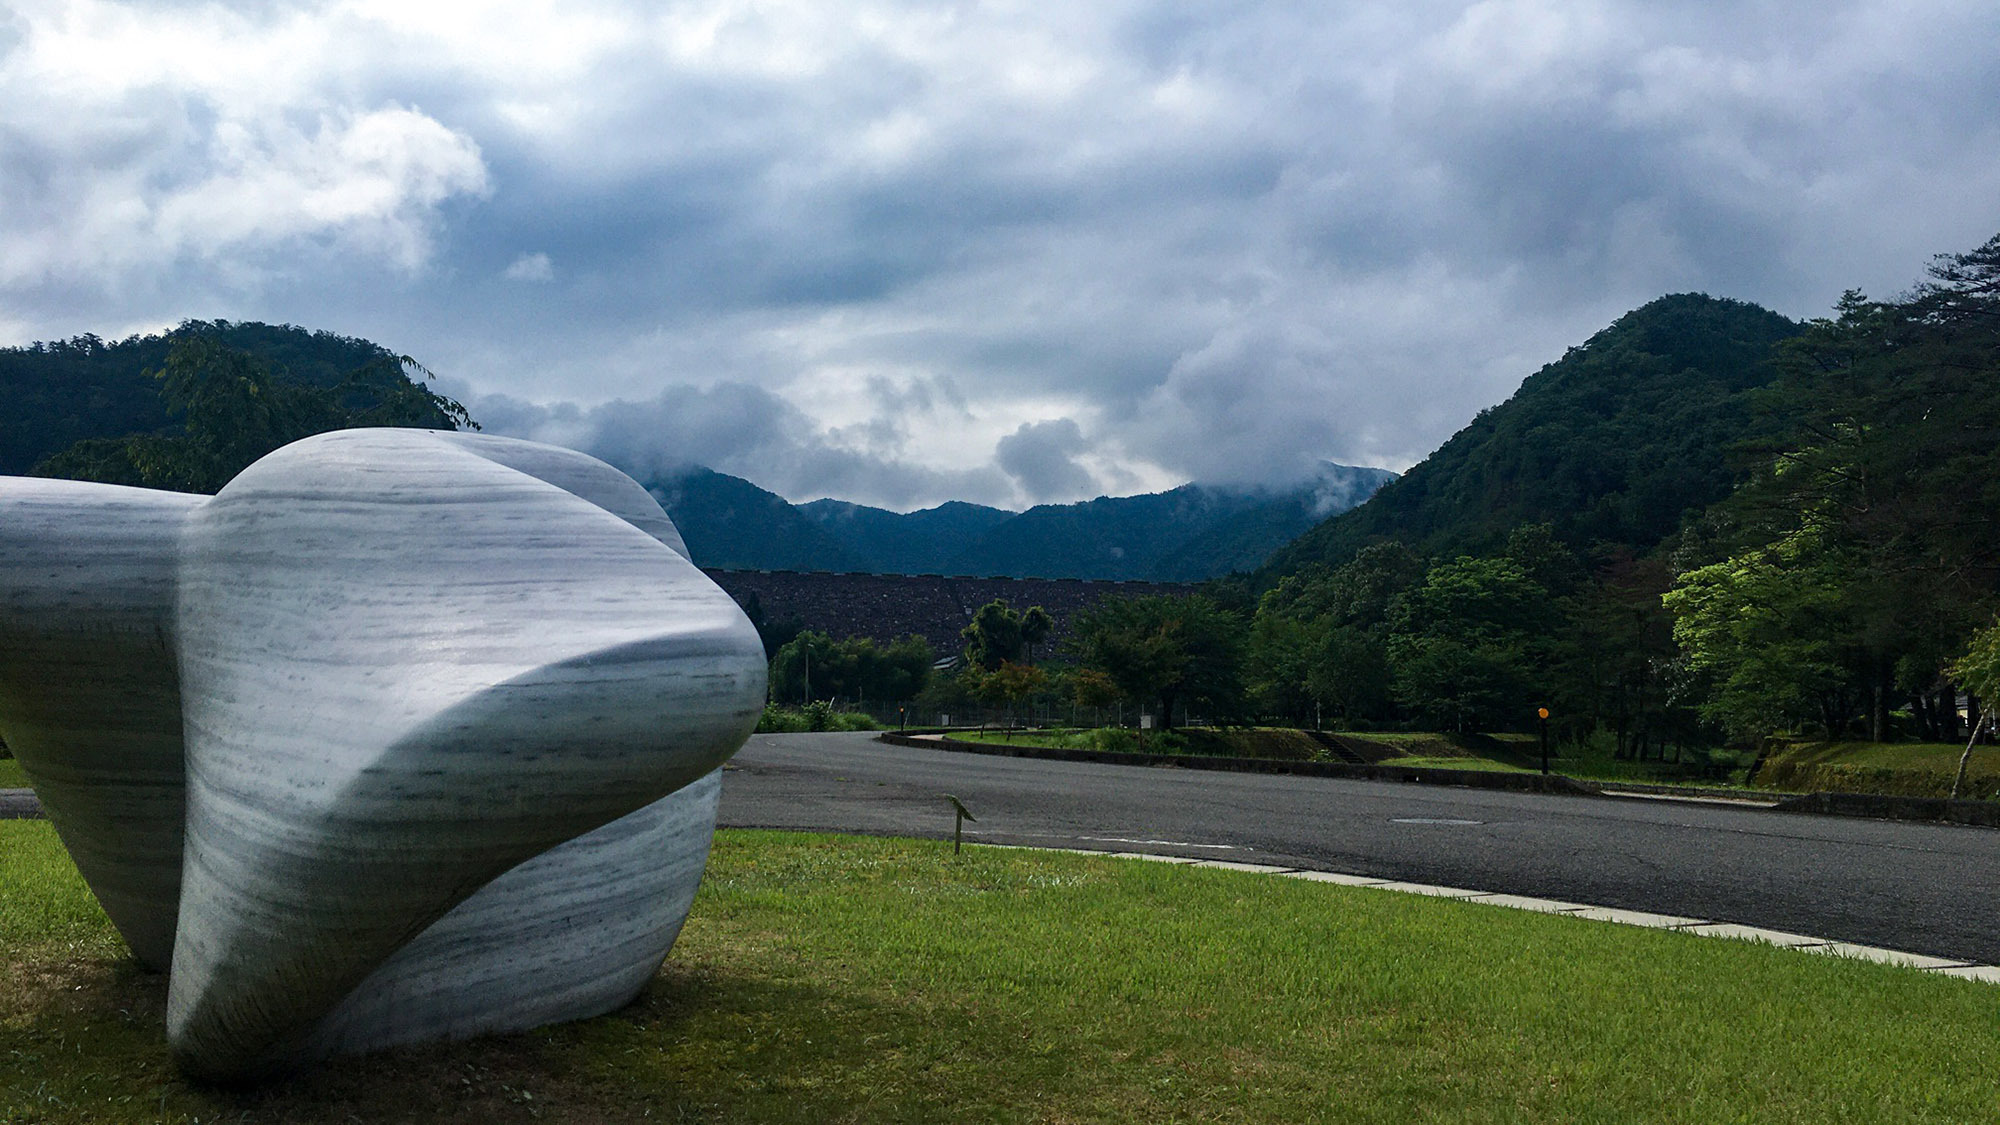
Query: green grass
x=825 y=979
x=11 y=774
x=1466 y=763
x=1911 y=769
x=1226 y=742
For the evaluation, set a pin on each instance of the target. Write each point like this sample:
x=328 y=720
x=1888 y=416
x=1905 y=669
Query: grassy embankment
x=831 y=980
x=1897 y=768
x=1909 y=769
x=1418 y=749
x=11 y=774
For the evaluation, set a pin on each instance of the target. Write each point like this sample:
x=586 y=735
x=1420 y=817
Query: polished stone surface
x=449 y=711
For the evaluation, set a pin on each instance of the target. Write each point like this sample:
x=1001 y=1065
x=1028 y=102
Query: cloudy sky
x=1007 y=252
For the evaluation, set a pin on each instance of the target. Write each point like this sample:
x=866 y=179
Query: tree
x=1462 y=643
x=1176 y=650
x=1767 y=632
x=812 y=665
x=1351 y=675
x=234 y=409
x=1869 y=521
x=992 y=637
x=1009 y=685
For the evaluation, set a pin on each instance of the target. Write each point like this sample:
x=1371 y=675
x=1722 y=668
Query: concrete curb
x=1699 y=927
x=1978 y=814
x=1475 y=779
x=1935 y=810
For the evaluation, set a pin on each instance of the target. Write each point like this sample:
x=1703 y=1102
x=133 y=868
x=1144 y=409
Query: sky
x=900 y=253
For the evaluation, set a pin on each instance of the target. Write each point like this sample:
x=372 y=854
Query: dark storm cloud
x=870 y=249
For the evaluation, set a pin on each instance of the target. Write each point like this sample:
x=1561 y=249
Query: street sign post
x=1542 y=713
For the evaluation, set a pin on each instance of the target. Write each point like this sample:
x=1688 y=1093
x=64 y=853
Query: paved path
x=1925 y=888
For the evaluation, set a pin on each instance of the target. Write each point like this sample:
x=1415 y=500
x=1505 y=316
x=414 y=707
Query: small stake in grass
x=958 y=823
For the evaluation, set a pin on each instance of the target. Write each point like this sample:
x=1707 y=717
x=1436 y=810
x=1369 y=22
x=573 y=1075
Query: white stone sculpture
x=404 y=735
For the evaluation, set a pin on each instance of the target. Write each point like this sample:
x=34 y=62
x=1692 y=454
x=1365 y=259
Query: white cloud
x=1220 y=241
x=531 y=267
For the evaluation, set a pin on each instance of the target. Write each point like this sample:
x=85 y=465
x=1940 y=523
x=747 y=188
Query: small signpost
x=958 y=824
x=1542 y=713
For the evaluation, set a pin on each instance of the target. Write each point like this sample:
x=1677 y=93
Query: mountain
x=65 y=391
x=1184 y=534
x=1611 y=445
x=730 y=523
x=921 y=542
x=1188 y=533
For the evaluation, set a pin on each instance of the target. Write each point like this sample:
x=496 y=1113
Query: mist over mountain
x=1612 y=445
x=1184 y=534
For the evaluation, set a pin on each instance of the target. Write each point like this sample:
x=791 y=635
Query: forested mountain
x=1192 y=532
x=730 y=523
x=920 y=542
x=1184 y=534
x=187 y=409
x=1706 y=523
x=1612 y=444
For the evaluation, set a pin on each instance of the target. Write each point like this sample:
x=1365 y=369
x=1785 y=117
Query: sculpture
x=404 y=735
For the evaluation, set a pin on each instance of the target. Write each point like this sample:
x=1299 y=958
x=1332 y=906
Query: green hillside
x=730 y=523
x=921 y=542
x=65 y=391
x=1613 y=443
x=1188 y=533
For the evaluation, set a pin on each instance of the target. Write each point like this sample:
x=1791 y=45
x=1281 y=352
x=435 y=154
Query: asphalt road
x=1918 y=887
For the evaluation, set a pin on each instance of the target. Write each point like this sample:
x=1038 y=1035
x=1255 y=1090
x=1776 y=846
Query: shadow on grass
x=83 y=1040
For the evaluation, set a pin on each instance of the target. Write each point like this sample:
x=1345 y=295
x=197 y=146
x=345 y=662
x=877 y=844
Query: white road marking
x=1699 y=927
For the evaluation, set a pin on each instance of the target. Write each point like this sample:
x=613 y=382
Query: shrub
x=817 y=715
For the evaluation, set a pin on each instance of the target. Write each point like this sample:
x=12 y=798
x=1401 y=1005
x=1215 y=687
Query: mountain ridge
x=1612 y=445
x=1189 y=533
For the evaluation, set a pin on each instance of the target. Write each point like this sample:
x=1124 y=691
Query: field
x=826 y=979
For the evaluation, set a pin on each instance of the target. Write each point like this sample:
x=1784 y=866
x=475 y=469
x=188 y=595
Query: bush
x=817 y=715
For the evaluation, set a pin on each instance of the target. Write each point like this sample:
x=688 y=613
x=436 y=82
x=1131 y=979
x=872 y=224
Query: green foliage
x=1008 y=686
x=1979 y=668
x=1861 y=558
x=1611 y=444
x=998 y=635
x=97 y=411
x=1902 y=769
x=1184 y=534
x=233 y=408
x=812 y=665
x=1177 y=650
x=817 y=715
x=1764 y=631
x=735 y=525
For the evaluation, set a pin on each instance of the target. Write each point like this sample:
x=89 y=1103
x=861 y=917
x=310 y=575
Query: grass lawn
x=1913 y=769
x=1052 y=738
x=828 y=979
x=11 y=774
x=1486 y=764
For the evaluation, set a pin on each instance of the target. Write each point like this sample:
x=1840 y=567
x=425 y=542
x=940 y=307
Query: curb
x=1976 y=814
x=1699 y=927
x=1932 y=810
x=1473 y=779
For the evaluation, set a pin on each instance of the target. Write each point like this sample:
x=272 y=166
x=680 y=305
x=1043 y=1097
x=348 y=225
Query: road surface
x=1925 y=888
